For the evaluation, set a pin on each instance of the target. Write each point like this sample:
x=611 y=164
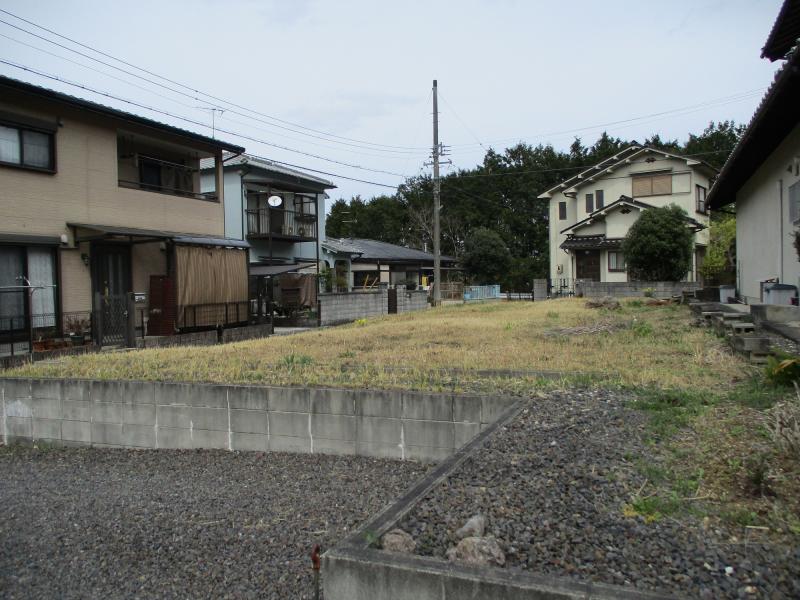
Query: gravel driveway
x=552 y=486
x=101 y=523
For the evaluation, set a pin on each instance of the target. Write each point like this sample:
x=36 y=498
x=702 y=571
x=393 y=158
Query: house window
x=562 y=211
x=589 y=203
x=700 y=199
x=794 y=202
x=599 y=201
x=652 y=185
x=36 y=264
x=28 y=148
x=616 y=261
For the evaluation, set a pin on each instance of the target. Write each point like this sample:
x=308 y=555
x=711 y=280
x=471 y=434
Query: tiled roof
x=591 y=242
x=373 y=251
x=785 y=31
x=87 y=105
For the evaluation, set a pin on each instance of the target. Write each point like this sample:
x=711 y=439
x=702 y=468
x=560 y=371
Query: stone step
x=742 y=327
x=758 y=359
x=750 y=343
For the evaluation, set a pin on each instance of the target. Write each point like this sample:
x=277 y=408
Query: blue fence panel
x=481 y=292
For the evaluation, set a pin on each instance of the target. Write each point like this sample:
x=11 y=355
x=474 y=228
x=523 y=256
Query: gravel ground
x=553 y=484
x=101 y=523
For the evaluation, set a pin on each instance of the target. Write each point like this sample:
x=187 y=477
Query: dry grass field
x=634 y=346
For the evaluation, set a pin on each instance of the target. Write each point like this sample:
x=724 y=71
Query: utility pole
x=437 y=251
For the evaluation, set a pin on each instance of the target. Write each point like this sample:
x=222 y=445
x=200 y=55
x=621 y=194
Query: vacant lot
x=635 y=346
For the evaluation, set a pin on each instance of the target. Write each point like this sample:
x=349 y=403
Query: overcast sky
x=508 y=70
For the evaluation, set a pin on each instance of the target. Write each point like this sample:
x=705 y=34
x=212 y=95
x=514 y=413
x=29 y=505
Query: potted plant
x=411 y=284
x=76 y=329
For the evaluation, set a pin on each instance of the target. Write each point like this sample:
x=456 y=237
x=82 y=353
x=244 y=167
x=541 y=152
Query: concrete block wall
x=238 y=334
x=408 y=301
x=539 y=289
x=134 y=414
x=347 y=307
x=627 y=289
x=197 y=338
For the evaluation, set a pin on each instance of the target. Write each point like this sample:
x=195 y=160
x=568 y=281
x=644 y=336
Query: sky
x=345 y=86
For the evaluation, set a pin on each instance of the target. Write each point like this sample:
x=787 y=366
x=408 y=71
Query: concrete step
x=758 y=359
x=742 y=327
x=750 y=343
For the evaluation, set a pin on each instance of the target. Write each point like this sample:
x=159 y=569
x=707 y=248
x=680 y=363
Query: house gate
x=393 y=301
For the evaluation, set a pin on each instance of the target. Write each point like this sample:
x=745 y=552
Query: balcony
x=279 y=224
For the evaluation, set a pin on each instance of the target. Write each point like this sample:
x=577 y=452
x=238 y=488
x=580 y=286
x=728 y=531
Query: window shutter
x=589 y=203
x=599 y=197
x=642 y=186
x=662 y=185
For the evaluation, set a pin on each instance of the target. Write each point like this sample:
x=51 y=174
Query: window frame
x=599 y=199
x=21 y=127
x=589 y=203
x=27 y=308
x=700 y=207
x=562 y=211
x=651 y=177
x=617 y=269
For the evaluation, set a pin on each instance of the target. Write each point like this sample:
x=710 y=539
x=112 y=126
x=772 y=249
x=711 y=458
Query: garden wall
x=135 y=414
x=408 y=301
x=338 y=308
x=625 y=289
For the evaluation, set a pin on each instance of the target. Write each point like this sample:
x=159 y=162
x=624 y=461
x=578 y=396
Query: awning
x=21 y=238
x=270 y=270
x=591 y=242
x=144 y=235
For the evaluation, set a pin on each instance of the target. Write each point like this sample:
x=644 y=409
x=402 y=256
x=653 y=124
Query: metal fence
x=207 y=316
x=481 y=292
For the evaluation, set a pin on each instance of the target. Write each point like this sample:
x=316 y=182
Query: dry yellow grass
x=643 y=346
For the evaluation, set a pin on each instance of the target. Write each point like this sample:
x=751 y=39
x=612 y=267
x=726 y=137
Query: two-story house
x=280 y=213
x=762 y=174
x=590 y=213
x=97 y=203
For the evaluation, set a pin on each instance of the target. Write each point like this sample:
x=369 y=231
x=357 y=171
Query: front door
x=587 y=265
x=111 y=282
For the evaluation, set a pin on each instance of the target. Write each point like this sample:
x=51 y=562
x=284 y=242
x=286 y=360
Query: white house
x=762 y=175
x=590 y=213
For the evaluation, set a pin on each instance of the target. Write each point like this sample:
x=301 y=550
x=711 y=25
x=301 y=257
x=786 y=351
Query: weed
x=783 y=369
x=654 y=507
x=347 y=354
x=757 y=470
x=755 y=394
x=360 y=322
x=648 y=292
x=290 y=361
x=740 y=516
x=642 y=328
x=551 y=314
x=508 y=327
x=634 y=303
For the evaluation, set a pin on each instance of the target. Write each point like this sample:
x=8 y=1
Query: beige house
x=762 y=174
x=96 y=203
x=591 y=212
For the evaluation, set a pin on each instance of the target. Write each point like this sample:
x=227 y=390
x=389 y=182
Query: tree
x=659 y=245
x=486 y=257
x=719 y=265
x=716 y=142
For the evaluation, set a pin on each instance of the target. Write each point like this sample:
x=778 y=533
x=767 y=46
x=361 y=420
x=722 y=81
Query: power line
x=280 y=162
x=463 y=124
x=194 y=122
x=377 y=146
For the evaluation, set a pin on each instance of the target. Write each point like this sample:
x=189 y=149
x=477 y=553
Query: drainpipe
x=780 y=222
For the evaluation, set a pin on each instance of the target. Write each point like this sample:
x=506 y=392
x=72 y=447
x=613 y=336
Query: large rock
x=472 y=528
x=398 y=540
x=477 y=551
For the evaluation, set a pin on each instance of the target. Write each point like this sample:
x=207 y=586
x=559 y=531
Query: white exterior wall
x=764 y=230
x=616 y=184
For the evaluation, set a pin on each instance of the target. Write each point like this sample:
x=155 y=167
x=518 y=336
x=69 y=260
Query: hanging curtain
x=12 y=303
x=41 y=271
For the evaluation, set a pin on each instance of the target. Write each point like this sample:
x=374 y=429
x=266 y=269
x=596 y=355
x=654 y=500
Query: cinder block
x=333 y=427
x=433 y=407
x=106 y=412
x=288 y=424
x=248 y=397
x=76 y=431
x=282 y=443
x=16 y=389
x=137 y=392
x=77 y=391
x=19 y=426
x=80 y=410
x=46 y=388
x=467 y=409
x=464 y=432
x=139 y=414
x=46 y=428
x=378 y=450
x=427 y=453
x=378 y=430
x=107 y=433
x=174 y=416
x=174 y=438
x=203 y=438
x=335 y=402
x=139 y=436
x=288 y=399
x=378 y=403
x=338 y=447
x=215 y=419
x=46 y=408
x=250 y=441
x=249 y=421
x=438 y=434
x=187 y=394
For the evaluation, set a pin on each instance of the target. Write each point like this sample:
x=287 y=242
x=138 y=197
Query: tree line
x=500 y=195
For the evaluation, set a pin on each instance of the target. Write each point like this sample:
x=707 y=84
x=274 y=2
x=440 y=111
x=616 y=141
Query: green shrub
x=783 y=369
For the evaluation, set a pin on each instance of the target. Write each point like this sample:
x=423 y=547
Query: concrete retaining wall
x=347 y=307
x=626 y=289
x=775 y=313
x=133 y=414
x=207 y=338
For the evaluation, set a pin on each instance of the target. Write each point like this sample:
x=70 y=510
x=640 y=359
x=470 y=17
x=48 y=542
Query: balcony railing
x=279 y=223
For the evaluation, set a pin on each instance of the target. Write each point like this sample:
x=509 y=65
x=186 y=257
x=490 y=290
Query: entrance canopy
x=141 y=236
